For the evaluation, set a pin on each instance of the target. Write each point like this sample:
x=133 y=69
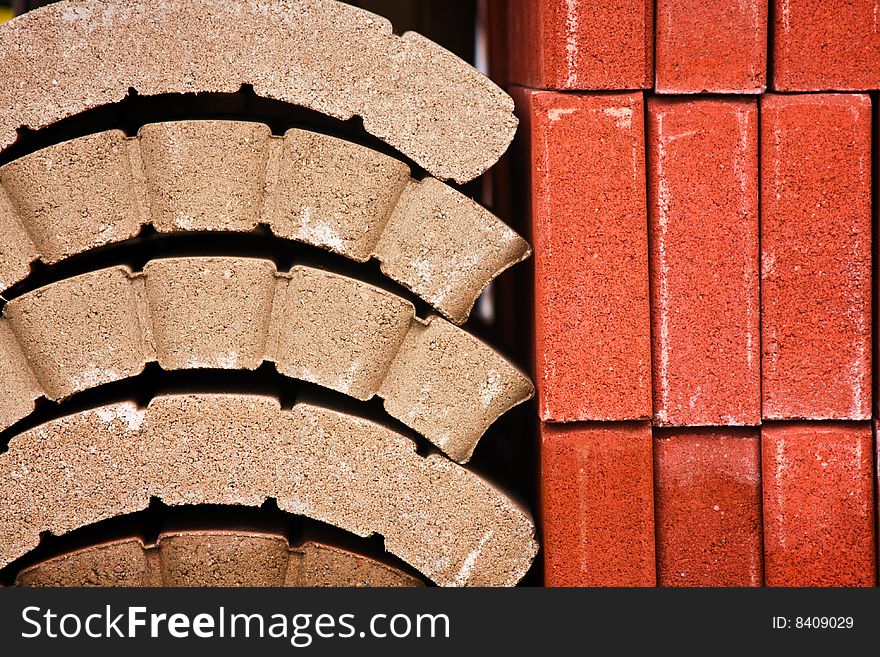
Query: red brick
x=818 y=504
x=703 y=209
x=826 y=45
x=708 y=507
x=589 y=223
x=816 y=256
x=597 y=504
x=715 y=46
x=581 y=44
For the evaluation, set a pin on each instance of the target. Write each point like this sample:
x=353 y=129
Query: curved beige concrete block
x=215 y=559
x=237 y=313
x=328 y=56
x=232 y=176
x=440 y=518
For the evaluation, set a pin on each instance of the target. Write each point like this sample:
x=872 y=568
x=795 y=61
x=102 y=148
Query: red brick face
x=819 y=504
x=715 y=46
x=589 y=234
x=703 y=211
x=816 y=256
x=597 y=504
x=708 y=507
x=581 y=44
x=826 y=45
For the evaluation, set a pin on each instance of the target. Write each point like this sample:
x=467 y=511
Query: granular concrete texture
x=707 y=484
x=236 y=313
x=816 y=256
x=324 y=55
x=440 y=518
x=826 y=45
x=703 y=223
x=819 y=505
x=713 y=46
x=213 y=558
x=231 y=176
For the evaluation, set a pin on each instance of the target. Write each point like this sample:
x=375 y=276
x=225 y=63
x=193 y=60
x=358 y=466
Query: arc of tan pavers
x=435 y=515
x=236 y=313
x=231 y=176
x=328 y=56
x=213 y=558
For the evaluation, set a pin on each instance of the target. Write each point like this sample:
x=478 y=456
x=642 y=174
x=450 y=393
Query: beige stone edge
x=213 y=558
x=236 y=313
x=440 y=518
x=232 y=176
x=328 y=56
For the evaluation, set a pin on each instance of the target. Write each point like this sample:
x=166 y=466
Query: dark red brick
x=826 y=45
x=708 y=507
x=703 y=209
x=818 y=504
x=597 y=504
x=816 y=256
x=716 y=46
x=581 y=44
x=589 y=233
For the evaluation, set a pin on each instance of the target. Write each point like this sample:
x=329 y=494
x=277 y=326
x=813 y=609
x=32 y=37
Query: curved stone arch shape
x=438 y=517
x=211 y=175
x=237 y=313
x=325 y=55
x=213 y=558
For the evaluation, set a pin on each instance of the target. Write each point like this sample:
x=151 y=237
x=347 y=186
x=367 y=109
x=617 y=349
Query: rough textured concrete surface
x=321 y=54
x=317 y=326
x=597 y=504
x=714 y=46
x=231 y=176
x=818 y=483
x=707 y=484
x=213 y=558
x=590 y=231
x=703 y=223
x=826 y=45
x=816 y=256
x=360 y=476
x=581 y=44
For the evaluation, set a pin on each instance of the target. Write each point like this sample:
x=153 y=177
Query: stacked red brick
x=727 y=311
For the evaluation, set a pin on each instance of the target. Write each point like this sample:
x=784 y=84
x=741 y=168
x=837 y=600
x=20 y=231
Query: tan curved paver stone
x=237 y=313
x=231 y=176
x=437 y=516
x=328 y=56
x=213 y=558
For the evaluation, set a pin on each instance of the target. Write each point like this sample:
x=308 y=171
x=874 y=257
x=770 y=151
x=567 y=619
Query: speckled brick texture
x=705 y=307
x=321 y=54
x=215 y=559
x=715 y=46
x=589 y=230
x=826 y=45
x=708 y=507
x=816 y=256
x=210 y=175
x=236 y=449
x=597 y=504
x=819 y=506
x=581 y=44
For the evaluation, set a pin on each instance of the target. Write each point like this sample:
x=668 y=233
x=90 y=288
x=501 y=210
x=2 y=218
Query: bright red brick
x=816 y=256
x=589 y=232
x=703 y=209
x=581 y=44
x=826 y=45
x=708 y=507
x=818 y=504
x=597 y=504
x=715 y=46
